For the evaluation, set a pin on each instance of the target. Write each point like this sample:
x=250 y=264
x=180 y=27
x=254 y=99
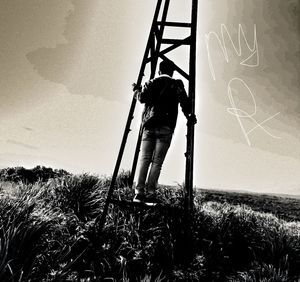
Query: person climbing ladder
x=161 y=97
x=158 y=47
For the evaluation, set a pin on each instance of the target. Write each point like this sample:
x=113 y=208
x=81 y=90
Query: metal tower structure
x=157 y=48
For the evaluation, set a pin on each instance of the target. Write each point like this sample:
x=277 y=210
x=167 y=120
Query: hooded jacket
x=161 y=97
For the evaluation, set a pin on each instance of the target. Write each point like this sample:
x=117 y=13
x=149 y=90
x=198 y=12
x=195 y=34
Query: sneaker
x=151 y=200
x=139 y=198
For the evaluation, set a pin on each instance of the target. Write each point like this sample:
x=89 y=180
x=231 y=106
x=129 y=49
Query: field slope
x=49 y=232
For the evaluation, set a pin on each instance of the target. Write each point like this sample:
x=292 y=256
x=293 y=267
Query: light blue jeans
x=155 y=144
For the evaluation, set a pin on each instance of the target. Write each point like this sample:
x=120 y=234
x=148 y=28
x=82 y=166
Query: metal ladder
x=158 y=47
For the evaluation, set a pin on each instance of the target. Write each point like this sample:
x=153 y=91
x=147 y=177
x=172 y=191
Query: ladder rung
x=176 y=24
x=124 y=203
x=129 y=204
x=176 y=41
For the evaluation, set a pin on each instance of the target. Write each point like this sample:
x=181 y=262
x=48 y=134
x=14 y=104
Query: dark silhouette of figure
x=161 y=97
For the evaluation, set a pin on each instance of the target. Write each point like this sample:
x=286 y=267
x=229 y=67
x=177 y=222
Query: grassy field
x=286 y=207
x=49 y=232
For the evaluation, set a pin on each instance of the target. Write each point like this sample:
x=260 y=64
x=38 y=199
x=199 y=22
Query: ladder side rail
x=151 y=41
x=159 y=35
x=102 y=219
x=149 y=49
x=153 y=60
x=152 y=53
x=190 y=127
x=136 y=154
x=117 y=166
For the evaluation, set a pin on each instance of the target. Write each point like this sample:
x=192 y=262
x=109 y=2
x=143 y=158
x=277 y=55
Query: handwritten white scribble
x=238 y=50
x=239 y=113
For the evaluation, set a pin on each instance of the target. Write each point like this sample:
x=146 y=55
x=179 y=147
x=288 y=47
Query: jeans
x=155 y=144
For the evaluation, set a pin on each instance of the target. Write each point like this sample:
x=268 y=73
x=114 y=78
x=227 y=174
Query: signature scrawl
x=250 y=60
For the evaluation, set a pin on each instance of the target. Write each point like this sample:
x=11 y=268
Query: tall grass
x=49 y=233
x=20 y=239
x=234 y=238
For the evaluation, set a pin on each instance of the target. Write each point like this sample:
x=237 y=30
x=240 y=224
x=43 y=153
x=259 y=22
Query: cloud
x=27 y=146
x=27 y=26
x=103 y=49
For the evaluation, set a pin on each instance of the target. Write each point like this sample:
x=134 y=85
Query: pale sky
x=67 y=69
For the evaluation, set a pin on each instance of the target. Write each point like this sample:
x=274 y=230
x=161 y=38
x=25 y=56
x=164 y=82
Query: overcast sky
x=67 y=69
